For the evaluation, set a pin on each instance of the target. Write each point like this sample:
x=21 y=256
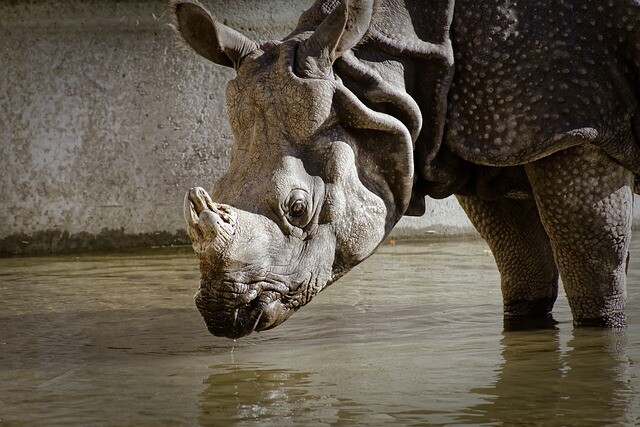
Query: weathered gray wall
x=106 y=120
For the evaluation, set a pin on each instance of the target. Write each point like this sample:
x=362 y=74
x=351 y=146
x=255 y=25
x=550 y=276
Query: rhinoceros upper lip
x=259 y=308
x=233 y=294
x=240 y=309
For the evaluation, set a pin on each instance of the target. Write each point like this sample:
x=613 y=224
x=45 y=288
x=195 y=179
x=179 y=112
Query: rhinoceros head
x=317 y=176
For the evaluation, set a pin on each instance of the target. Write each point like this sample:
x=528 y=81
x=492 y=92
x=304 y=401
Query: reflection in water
x=542 y=380
x=585 y=381
x=264 y=395
x=411 y=337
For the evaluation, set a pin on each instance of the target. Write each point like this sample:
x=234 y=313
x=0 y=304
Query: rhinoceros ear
x=209 y=38
x=341 y=30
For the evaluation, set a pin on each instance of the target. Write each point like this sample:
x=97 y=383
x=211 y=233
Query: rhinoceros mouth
x=259 y=311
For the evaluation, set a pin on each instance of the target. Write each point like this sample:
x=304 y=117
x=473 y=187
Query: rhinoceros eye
x=298 y=208
x=297 y=205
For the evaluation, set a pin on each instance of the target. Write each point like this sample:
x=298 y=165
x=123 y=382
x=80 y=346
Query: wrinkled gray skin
x=527 y=111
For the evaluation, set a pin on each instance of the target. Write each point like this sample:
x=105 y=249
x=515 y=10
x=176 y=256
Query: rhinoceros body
x=527 y=111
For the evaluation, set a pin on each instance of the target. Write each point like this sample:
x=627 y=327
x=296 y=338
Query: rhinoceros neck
x=418 y=34
x=408 y=47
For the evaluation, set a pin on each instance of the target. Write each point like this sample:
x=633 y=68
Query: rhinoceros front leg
x=585 y=201
x=513 y=231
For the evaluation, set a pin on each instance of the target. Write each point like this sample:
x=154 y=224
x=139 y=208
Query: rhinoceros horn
x=341 y=30
x=209 y=38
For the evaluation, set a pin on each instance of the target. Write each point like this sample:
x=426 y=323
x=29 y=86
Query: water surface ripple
x=413 y=336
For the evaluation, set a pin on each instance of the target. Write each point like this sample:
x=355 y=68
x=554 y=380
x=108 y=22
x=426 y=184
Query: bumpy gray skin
x=527 y=111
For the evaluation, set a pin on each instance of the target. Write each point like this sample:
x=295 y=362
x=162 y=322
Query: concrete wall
x=106 y=119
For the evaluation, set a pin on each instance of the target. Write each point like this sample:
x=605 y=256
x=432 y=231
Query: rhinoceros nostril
x=215 y=222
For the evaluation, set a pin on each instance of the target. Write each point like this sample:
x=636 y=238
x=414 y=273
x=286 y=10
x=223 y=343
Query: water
x=412 y=337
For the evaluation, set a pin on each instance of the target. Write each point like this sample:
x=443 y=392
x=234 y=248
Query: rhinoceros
x=526 y=111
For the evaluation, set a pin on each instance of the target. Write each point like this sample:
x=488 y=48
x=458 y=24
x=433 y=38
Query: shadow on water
x=544 y=379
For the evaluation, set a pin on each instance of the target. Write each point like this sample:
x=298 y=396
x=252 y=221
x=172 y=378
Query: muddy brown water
x=413 y=336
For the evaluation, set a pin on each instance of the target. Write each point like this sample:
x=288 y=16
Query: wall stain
x=49 y=242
